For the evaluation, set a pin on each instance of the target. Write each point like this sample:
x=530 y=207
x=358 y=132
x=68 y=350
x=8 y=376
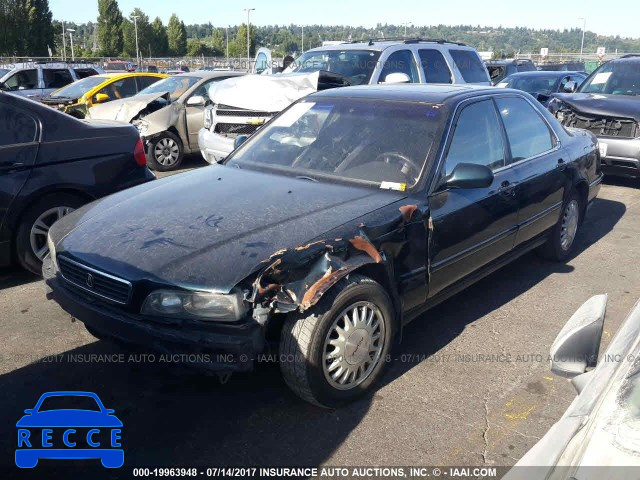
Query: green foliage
x=145 y=34
x=197 y=48
x=177 y=34
x=238 y=47
x=159 y=40
x=109 y=33
x=25 y=27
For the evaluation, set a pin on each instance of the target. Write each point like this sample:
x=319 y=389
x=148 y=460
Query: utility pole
x=249 y=10
x=64 y=43
x=135 y=23
x=302 y=26
x=73 y=55
x=228 y=42
x=584 y=26
x=405 y=28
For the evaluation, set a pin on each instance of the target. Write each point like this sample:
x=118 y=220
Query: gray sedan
x=169 y=114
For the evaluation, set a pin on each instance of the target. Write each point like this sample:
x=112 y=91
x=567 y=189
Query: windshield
x=3 y=72
x=614 y=78
x=356 y=65
x=544 y=84
x=69 y=402
x=79 y=88
x=379 y=143
x=176 y=86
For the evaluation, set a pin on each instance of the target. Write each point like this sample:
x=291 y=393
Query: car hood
x=126 y=109
x=608 y=105
x=266 y=93
x=69 y=418
x=210 y=228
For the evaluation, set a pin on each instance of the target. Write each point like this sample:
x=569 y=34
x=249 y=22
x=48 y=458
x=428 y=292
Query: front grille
x=232 y=129
x=603 y=126
x=242 y=113
x=92 y=281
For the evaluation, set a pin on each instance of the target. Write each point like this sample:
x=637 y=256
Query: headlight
x=215 y=307
x=208 y=117
x=52 y=252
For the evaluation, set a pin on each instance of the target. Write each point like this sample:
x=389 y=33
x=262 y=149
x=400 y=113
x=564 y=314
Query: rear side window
x=85 y=72
x=477 y=138
x=57 y=78
x=16 y=126
x=434 y=66
x=401 y=61
x=470 y=66
x=528 y=134
x=23 y=80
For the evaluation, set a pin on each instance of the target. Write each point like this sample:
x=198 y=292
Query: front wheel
x=334 y=352
x=561 y=241
x=165 y=152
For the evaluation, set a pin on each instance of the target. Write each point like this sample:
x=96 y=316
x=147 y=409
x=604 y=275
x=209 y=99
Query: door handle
x=507 y=188
x=11 y=166
x=561 y=165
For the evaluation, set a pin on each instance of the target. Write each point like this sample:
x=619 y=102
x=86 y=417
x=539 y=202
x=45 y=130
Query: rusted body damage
x=297 y=278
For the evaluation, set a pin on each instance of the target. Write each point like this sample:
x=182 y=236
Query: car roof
x=25 y=65
x=432 y=93
x=129 y=74
x=547 y=73
x=517 y=61
x=210 y=74
x=380 y=45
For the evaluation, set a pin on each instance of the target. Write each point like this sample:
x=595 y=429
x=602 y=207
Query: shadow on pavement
x=189 y=419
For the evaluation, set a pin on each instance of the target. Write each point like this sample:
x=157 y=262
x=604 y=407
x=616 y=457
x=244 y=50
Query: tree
x=39 y=28
x=109 y=28
x=145 y=34
x=177 y=36
x=159 y=39
x=239 y=47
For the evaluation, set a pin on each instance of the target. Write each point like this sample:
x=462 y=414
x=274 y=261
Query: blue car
x=37 y=438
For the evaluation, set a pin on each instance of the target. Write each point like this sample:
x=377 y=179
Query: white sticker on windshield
x=292 y=115
x=601 y=78
x=399 y=187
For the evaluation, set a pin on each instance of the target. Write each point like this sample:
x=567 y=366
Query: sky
x=555 y=14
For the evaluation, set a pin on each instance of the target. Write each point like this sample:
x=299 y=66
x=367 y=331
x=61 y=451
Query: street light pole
x=584 y=26
x=249 y=10
x=64 y=43
x=73 y=55
x=228 y=42
x=302 y=26
x=135 y=23
x=405 y=28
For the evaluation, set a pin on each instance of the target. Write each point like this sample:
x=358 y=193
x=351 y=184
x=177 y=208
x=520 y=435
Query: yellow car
x=78 y=97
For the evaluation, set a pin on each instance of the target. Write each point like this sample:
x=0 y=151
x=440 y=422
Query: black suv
x=52 y=164
x=607 y=104
x=345 y=217
x=500 y=69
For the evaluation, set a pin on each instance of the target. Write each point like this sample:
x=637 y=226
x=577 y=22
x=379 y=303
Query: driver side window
x=477 y=138
x=23 y=80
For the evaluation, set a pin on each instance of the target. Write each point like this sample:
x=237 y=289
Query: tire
x=305 y=343
x=31 y=242
x=561 y=241
x=165 y=152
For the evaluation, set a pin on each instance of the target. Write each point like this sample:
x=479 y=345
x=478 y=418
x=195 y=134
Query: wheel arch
x=582 y=188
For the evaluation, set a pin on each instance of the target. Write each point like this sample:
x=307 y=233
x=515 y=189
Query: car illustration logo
x=90 y=281
x=69 y=425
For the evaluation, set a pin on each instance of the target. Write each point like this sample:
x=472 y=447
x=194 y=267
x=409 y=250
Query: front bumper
x=224 y=348
x=214 y=147
x=622 y=156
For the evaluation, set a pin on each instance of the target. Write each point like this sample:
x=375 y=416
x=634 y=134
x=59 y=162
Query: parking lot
x=433 y=407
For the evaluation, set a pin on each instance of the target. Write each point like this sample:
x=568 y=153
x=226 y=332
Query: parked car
x=37 y=79
x=542 y=84
x=243 y=105
x=380 y=202
x=607 y=104
x=51 y=164
x=148 y=69
x=168 y=114
x=600 y=427
x=500 y=69
x=76 y=99
x=562 y=67
x=118 y=66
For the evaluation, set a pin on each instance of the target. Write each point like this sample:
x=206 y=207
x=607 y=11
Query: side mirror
x=196 y=101
x=240 y=139
x=397 y=77
x=101 y=98
x=29 y=411
x=570 y=87
x=469 y=175
x=576 y=347
x=109 y=411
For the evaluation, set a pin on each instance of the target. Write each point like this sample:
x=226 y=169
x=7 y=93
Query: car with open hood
x=608 y=105
x=168 y=115
x=349 y=214
x=542 y=84
x=77 y=98
x=242 y=105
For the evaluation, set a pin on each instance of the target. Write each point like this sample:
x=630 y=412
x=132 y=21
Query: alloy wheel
x=40 y=229
x=166 y=152
x=570 y=220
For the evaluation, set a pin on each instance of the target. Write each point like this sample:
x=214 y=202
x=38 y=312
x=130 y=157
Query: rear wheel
x=561 y=241
x=31 y=237
x=334 y=352
x=165 y=152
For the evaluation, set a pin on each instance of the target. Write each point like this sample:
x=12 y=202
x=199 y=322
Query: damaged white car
x=168 y=114
x=242 y=105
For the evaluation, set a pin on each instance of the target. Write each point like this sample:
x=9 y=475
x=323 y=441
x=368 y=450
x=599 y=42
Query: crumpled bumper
x=621 y=156
x=214 y=147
